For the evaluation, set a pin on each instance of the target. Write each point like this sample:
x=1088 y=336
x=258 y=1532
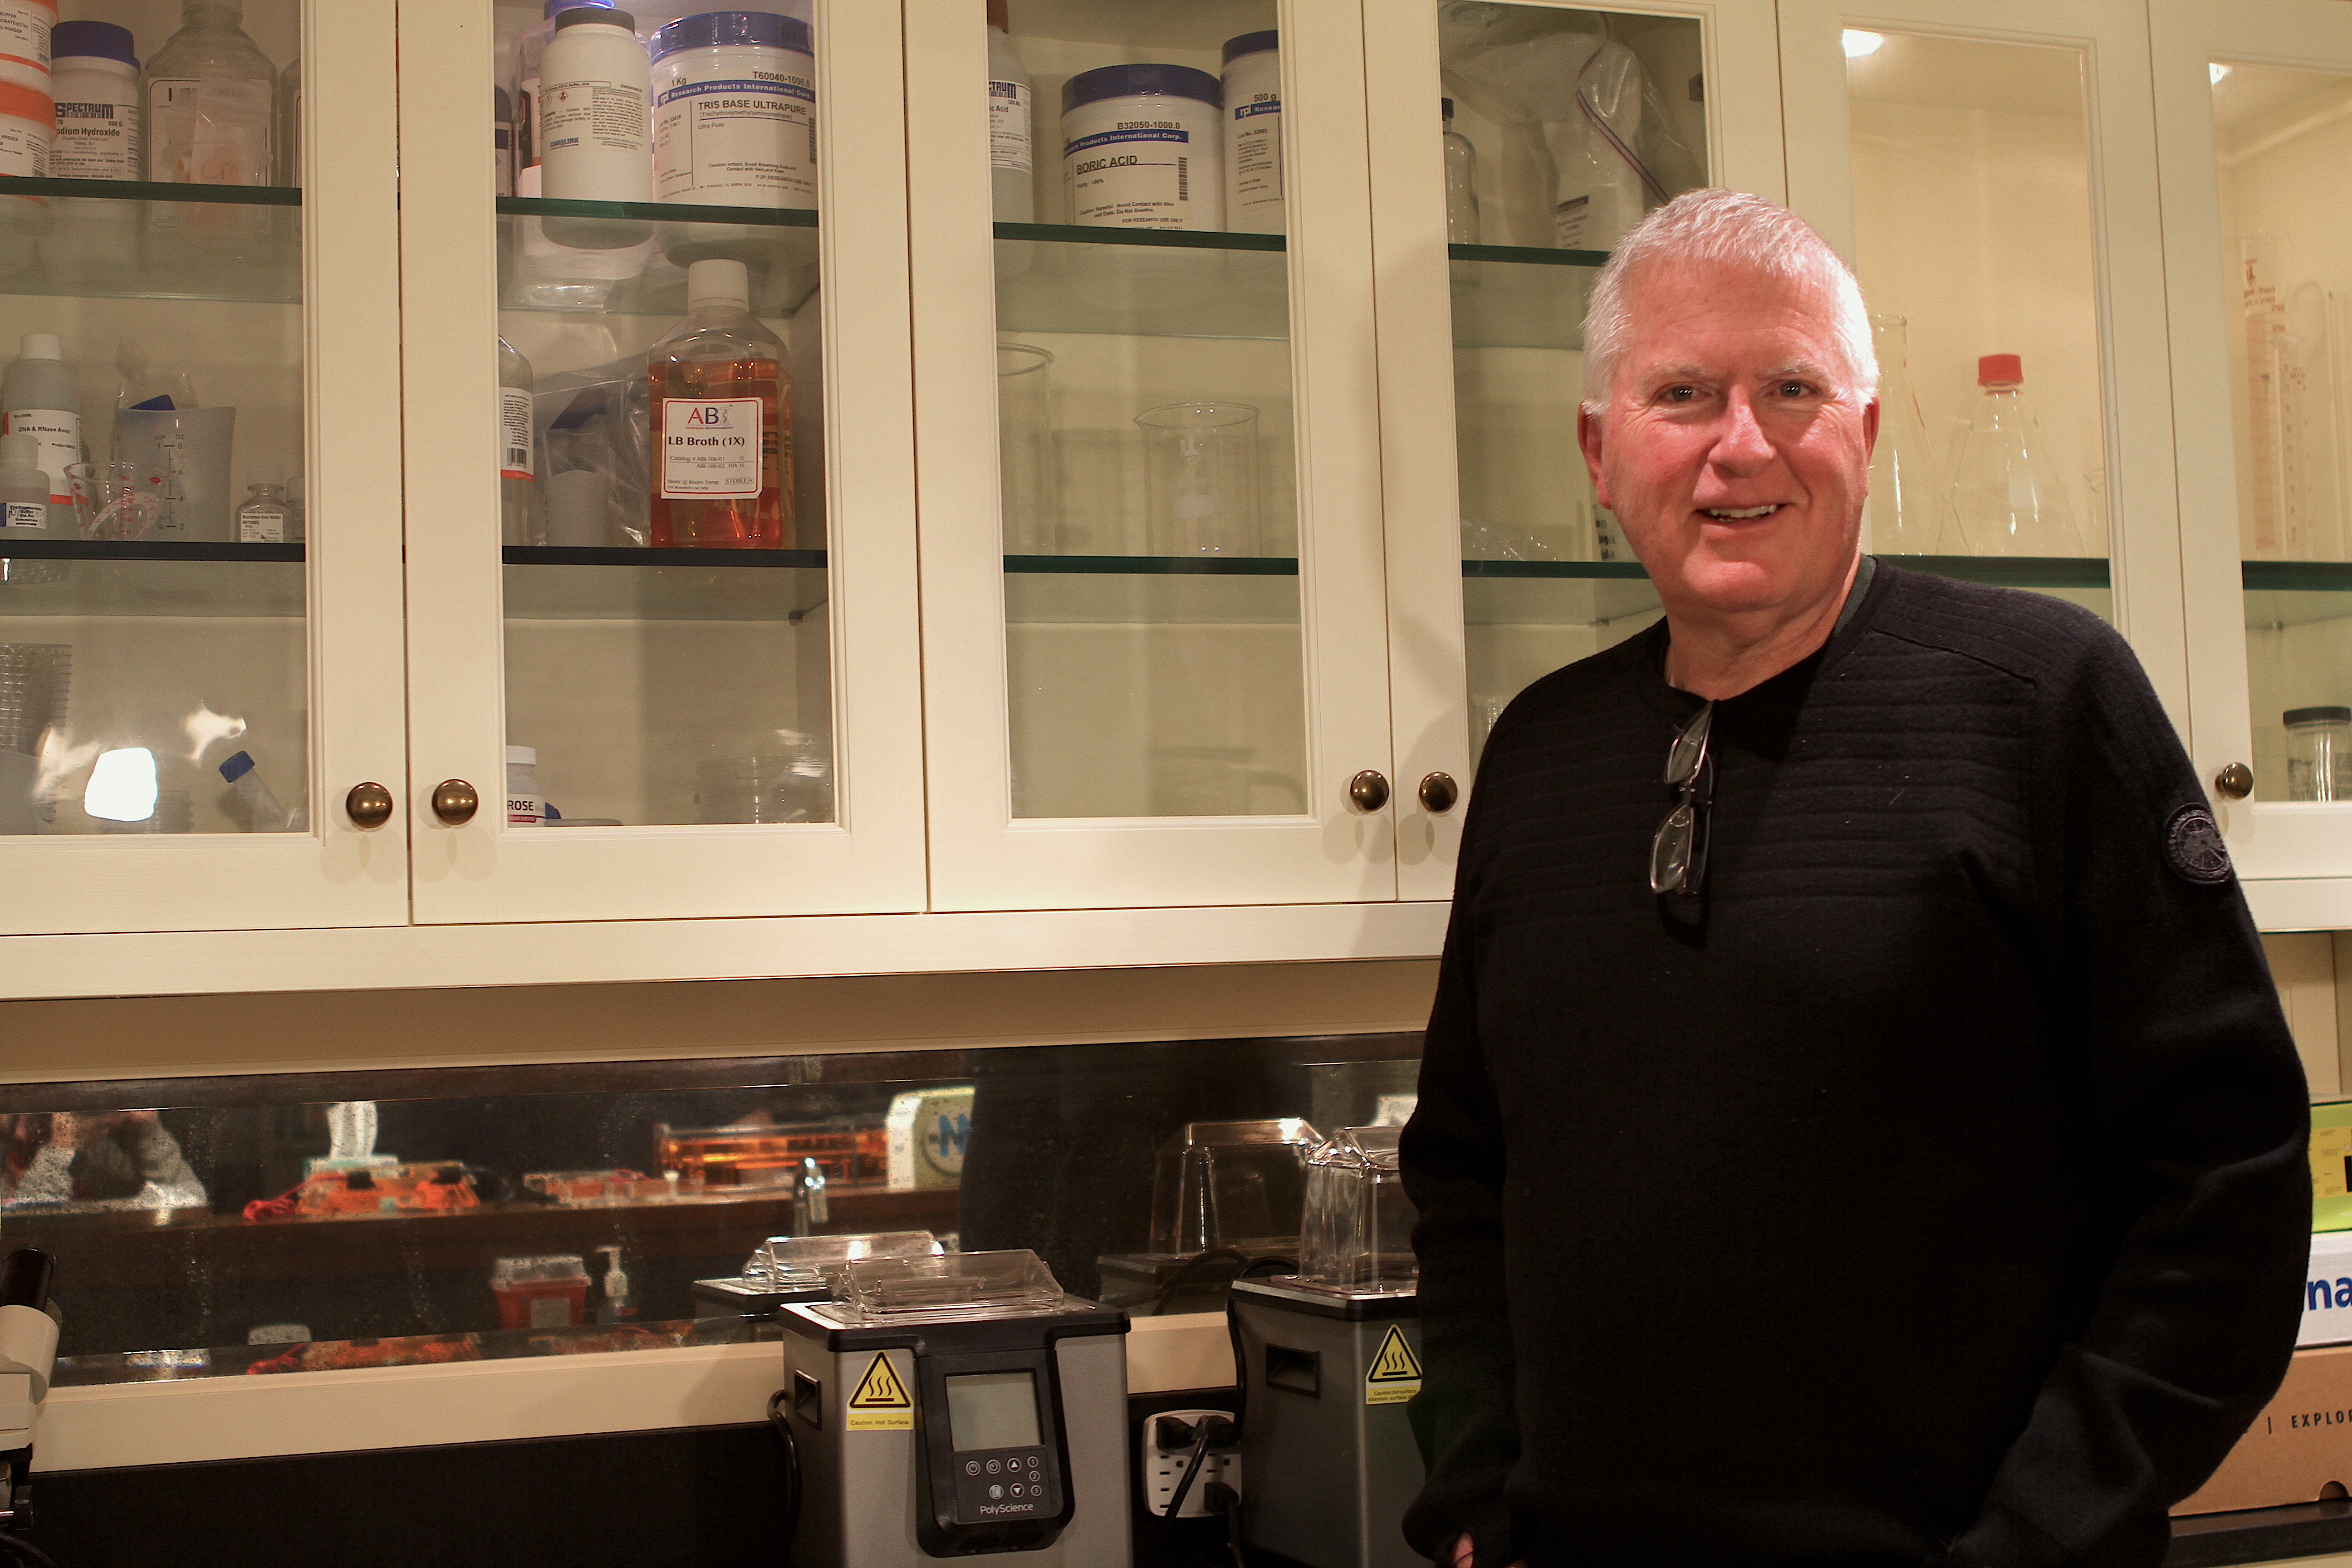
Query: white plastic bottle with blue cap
x=734 y=110
x=1252 y=84
x=1143 y=147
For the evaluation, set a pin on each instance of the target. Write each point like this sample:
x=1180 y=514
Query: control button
x=1033 y=1461
x=972 y=1466
x=996 y=1492
x=993 y=1466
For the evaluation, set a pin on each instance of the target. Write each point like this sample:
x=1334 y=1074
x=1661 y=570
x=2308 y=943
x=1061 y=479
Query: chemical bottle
x=24 y=490
x=211 y=98
x=2005 y=498
x=722 y=414
x=618 y=1305
x=262 y=812
x=96 y=79
x=531 y=50
x=1902 y=515
x=518 y=473
x=595 y=108
x=41 y=396
x=263 y=517
x=502 y=153
x=1461 y=182
x=525 y=806
x=290 y=123
x=1253 y=144
x=1010 y=102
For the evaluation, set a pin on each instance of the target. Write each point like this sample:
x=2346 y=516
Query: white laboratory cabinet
x=1134 y=595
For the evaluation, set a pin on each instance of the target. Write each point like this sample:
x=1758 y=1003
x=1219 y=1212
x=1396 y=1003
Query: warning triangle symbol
x=1396 y=1362
x=880 y=1389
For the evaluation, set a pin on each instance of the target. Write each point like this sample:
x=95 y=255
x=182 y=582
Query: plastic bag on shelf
x=1613 y=150
x=596 y=422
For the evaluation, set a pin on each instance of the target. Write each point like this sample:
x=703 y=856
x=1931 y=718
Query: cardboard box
x=2299 y=1447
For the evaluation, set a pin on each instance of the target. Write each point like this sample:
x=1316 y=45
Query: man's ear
x=1588 y=441
x=1870 y=429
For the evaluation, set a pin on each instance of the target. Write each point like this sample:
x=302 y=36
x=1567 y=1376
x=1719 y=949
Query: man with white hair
x=1856 y=1125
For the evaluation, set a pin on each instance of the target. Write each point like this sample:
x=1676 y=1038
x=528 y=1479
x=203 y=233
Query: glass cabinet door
x=1527 y=138
x=1987 y=166
x=657 y=393
x=2253 y=102
x=1149 y=472
x=199 y=614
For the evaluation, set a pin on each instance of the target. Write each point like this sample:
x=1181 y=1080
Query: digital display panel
x=993 y=1410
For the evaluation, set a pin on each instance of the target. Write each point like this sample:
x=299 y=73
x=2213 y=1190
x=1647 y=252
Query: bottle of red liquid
x=722 y=412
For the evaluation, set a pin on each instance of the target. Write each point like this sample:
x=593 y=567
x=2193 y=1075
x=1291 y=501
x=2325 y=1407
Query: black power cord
x=1212 y=1432
x=792 y=1504
x=1227 y=1502
x=23 y=1550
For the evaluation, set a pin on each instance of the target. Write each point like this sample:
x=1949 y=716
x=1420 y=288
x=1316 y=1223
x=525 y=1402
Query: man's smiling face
x=1734 y=448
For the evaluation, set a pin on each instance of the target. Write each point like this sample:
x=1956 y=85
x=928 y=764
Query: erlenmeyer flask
x=1902 y=510
x=2006 y=498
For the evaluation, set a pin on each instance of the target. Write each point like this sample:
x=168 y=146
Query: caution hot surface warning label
x=1395 y=1375
x=880 y=1402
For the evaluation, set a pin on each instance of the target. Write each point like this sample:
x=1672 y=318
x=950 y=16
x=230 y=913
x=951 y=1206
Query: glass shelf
x=1161 y=592
x=1510 y=296
x=70 y=578
x=630 y=258
x=1157 y=565
x=91 y=239
x=1140 y=282
x=558 y=583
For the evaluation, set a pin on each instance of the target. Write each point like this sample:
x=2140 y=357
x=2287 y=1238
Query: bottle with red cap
x=2006 y=496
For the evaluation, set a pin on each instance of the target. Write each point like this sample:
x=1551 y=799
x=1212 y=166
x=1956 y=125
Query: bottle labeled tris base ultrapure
x=722 y=455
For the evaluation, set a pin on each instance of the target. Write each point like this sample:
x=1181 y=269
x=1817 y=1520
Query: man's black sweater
x=1931 y=1189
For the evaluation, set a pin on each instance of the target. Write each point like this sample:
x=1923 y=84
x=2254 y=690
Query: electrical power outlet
x=1162 y=1470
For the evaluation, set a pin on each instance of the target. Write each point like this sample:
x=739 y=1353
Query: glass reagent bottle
x=2006 y=498
x=1010 y=105
x=211 y=98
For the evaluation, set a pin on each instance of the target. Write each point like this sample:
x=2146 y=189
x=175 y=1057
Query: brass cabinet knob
x=455 y=802
x=369 y=805
x=1438 y=793
x=1369 y=790
x=2236 y=781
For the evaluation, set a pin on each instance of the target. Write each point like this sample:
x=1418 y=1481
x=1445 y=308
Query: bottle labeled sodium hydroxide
x=734 y=95
x=40 y=396
x=1253 y=202
x=1011 y=101
x=594 y=85
x=25 y=28
x=95 y=79
x=1143 y=147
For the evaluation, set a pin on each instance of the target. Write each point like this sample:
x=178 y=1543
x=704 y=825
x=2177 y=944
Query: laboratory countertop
x=157 y=1246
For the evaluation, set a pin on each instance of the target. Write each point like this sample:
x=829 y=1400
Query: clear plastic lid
x=1014 y=1284
x=558 y=1268
x=1358 y=1233
x=1241 y=1184
x=784 y=1262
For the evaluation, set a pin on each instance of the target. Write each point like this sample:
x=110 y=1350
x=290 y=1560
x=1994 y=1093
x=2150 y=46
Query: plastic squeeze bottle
x=24 y=490
x=722 y=455
x=41 y=396
x=1010 y=102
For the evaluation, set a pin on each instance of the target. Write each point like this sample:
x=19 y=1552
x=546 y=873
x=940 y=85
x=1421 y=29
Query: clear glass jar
x=2318 y=753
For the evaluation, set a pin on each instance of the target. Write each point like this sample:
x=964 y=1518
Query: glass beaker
x=2318 y=753
x=1902 y=507
x=1025 y=449
x=1201 y=466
